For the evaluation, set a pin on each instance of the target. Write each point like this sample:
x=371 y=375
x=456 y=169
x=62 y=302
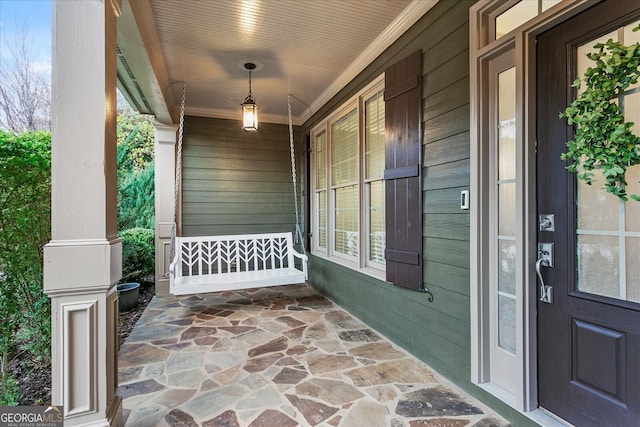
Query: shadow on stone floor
x=280 y=356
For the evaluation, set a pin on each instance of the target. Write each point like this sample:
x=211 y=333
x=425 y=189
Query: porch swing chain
x=298 y=236
x=176 y=187
x=172 y=247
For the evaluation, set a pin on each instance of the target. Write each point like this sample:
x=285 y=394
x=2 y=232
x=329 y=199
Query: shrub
x=25 y=227
x=136 y=199
x=135 y=170
x=138 y=254
x=9 y=390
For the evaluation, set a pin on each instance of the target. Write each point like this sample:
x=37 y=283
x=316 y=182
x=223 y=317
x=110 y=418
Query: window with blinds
x=374 y=174
x=348 y=154
x=321 y=189
x=344 y=176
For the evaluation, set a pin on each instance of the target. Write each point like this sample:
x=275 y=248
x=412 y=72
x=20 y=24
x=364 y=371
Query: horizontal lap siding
x=235 y=182
x=437 y=332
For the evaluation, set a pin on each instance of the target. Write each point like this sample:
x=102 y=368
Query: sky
x=35 y=17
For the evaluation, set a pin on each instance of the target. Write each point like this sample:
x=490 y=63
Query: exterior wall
x=437 y=332
x=236 y=182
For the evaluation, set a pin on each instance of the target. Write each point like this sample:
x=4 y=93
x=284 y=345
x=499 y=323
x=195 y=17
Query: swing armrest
x=304 y=258
x=172 y=266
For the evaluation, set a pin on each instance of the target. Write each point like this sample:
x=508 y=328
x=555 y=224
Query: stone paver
x=280 y=356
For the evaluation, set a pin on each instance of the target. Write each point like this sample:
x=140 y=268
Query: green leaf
x=602 y=137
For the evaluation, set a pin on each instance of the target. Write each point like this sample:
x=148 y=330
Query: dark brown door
x=589 y=331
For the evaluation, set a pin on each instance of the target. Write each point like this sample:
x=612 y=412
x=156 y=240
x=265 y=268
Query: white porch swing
x=221 y=263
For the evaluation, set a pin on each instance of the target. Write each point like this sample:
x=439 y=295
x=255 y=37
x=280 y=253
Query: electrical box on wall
x=464 y=199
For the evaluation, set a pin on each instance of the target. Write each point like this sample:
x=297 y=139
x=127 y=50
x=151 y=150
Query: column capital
x=165 y=134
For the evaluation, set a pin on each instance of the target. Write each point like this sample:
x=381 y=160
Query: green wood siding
x=236 y=182
x=436 y=332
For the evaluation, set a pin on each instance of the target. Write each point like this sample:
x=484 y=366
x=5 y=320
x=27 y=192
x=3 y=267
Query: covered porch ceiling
x=308 y=48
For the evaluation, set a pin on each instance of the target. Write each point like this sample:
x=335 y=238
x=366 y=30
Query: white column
x=83 y=261
x=165 y=165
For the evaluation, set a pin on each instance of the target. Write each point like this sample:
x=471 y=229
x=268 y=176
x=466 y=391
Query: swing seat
x=223 y=263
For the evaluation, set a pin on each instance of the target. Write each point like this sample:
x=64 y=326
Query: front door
x=589 y=327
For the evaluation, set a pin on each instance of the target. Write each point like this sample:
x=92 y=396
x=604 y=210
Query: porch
x=279 y=356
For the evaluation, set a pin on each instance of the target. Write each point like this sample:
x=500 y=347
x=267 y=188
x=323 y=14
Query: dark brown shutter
x=403 y=184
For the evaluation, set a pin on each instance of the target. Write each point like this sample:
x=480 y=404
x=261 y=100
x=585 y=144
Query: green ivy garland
x=602 y=138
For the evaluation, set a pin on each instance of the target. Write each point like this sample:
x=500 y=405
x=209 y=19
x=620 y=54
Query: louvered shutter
x=403 y=183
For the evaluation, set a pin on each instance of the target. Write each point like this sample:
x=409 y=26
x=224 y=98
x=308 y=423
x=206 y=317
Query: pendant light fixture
x=249 y=107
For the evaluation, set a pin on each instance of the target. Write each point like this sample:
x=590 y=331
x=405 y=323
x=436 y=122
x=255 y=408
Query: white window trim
x=360 y=262
x=481 y=50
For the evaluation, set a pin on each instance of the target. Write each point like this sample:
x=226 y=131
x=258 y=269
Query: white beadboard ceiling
x=307 y=48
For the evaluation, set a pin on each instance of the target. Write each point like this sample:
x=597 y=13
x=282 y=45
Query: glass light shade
x=249 y=115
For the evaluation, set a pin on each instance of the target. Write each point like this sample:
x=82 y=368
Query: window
x=374 y=174
x=502 y=236
x=344 y=183
x=321 y=190
x=348 y=205
x=519 y=13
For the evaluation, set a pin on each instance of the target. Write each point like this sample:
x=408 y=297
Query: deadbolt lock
x=546 y=222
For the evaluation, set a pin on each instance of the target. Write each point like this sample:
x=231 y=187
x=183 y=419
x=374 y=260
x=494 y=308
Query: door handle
x=544 y=259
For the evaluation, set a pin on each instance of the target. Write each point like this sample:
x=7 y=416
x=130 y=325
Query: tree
x=25 y=93
x=135 y=137
x=136 y=200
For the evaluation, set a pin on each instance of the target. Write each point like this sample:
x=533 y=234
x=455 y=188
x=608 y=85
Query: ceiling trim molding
x=399 y=26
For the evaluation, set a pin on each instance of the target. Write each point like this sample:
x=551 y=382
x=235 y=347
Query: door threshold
x=546 y=418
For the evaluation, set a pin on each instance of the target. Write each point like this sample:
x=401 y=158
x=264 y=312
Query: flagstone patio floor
x=277 y=357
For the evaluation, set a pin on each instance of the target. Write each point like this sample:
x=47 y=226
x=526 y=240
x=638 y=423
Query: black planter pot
x=128 y=296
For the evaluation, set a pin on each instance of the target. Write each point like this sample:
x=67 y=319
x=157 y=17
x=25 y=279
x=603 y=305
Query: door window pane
x=597 y=209
x=630 y=37
x=633 y=268
x=608 y=229
x=599 y=265
x=515 y=16
x=507 y=124
x=507 y=266
x=520 y=13
x=632 y=209
x=506 y=207
x=507 y=323
x=587 y=48
x=546 y=4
